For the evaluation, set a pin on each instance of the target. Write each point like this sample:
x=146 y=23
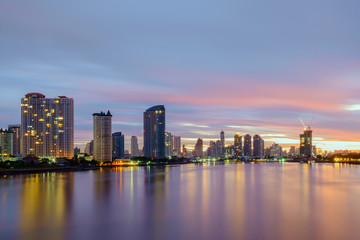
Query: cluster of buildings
x=47 y=131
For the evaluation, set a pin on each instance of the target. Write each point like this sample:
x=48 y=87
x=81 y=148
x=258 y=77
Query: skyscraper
x=102 y=136
x=306 y=142
x=6 y=142
x=134 y=147
x=89 y=148
x=177 y=146
x=154 y=132
x=47 y=126
x=222 y=139
x=118 y=145
x=238 y=145
x=247 y=145
x=168 y=145
x=16 y=138
x=257 y=144
x=198 y=150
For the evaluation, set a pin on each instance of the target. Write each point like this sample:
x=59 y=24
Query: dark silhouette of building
x=118 y=145
x=154 y=132
x=247 y=145
x=198 y=151
x=258 y=144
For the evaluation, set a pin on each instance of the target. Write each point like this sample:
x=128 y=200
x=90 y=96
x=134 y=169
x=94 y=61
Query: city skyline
x=237 y=68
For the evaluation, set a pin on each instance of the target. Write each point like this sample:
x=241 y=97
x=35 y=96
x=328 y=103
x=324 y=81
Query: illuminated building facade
x=6 y=142
x=169 y=143
x=118 y=142
x=47 y=126
x=154 y=132
x=275 y=151
x=134 y=147
x=258 y=145
x=238 y=148
x=306 y=142
x=247 y=145
x=102 y=136
x=16 y=138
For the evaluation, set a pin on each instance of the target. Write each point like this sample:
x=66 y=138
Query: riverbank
x=45 y=170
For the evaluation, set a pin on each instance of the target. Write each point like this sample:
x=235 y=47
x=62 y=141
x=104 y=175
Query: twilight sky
x=249 y=66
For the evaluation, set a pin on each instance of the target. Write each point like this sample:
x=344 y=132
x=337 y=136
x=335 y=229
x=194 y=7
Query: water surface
x=225 y=201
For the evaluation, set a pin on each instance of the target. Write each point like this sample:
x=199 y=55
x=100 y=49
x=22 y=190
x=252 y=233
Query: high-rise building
x=154 y=132
x=222 y=139
x=177 y=146
x=6 y=142
x=238 y=145
x=89 y=148
x=118 y=145
x=306 y=142
x=102 y=136
x=247 y=145
x=258 y=146
x=47 y=126
x=16 y=138
x=292 y=150
x=198 y=150
x=134 y=147
x=276 y=151
x=168 y=145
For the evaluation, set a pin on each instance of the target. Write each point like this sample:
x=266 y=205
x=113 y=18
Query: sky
x=248 y=66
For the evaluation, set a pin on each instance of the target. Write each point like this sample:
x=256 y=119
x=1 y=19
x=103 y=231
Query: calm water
x=231 y=201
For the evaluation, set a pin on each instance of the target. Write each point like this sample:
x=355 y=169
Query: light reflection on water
x=224 y=201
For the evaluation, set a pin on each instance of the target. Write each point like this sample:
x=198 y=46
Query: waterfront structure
x=118 y=145
x=292 y=150
x=177 y=146
x=276 y=151
x=238 y=145
x=198 y=150
x=247 y=145
x=102 y=136
x=154 y=132
x=76 y=151
x=306 y=142
x=134 y=147
x=47 y=126
x=6 y=142
x=258 y=144
x=16 y=138
x=168 y=145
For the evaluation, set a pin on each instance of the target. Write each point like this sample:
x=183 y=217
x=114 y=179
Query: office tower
x=47 y=126
x=168 y=145
x=198 y=150
x=238 y=145
x=177 y=146
x=262 y=147
x=118 y=145
x=218 y=149
x=276 y=151
x=222 y=139
x=89 y=148
x=16 y=138
x=247 y=145
x=102 y=136
x=306 y=142
x=211 y=149
x=134 y=147
x=6 y=142
x=154 y=132
x=257 y=145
